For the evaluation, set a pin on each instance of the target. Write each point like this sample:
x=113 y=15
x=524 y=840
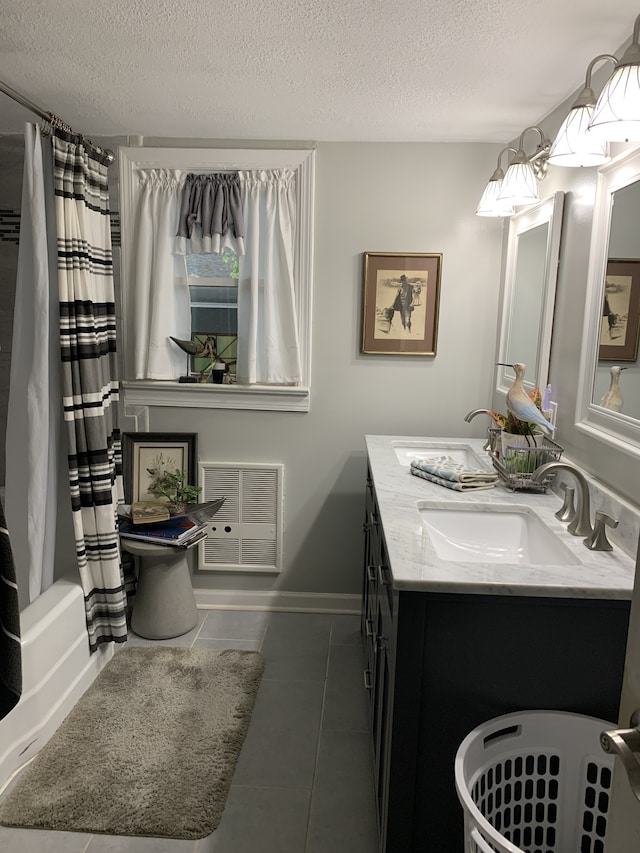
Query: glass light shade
x=490 y=205
x=574 y=146
x=519 y=185
x=616 y=117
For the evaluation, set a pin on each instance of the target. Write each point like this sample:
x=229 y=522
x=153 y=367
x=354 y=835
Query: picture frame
x=401 y=298
x=141 y=450
x=620 y=323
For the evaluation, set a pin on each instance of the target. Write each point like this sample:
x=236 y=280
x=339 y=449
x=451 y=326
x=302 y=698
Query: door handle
x=625 y=743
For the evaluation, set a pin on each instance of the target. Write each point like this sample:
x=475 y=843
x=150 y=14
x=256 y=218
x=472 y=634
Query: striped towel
x=10 y=650
x=447 y=468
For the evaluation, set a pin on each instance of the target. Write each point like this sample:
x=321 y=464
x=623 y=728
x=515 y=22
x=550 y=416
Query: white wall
x=369 y=197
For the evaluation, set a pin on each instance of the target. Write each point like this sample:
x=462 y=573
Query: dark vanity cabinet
x=439 y=664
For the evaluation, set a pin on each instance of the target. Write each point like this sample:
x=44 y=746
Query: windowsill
x=143 y=392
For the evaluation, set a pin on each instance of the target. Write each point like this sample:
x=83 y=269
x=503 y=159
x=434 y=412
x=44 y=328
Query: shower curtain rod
x=47 y=116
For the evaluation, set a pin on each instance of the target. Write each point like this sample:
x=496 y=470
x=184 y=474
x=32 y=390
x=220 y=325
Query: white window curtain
x=161 y=295
x=268 y=344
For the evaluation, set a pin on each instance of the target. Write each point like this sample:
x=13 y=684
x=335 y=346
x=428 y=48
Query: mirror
x=533 y=248
x=612 y=325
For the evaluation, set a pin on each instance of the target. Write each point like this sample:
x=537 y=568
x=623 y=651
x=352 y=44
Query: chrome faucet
x=471 y=415
x=580 y=524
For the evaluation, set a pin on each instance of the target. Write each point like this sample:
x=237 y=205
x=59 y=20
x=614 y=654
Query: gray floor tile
x=41 y=841
x=261 y=820
x=280 y=759
x=234 y=625
x=346 y=630
x=247 y=645
x=127 y=844
x=309 y=629
x=343 y=818
x=280 y=747
x=296 y=660
x=345 y=704
x=294 y=706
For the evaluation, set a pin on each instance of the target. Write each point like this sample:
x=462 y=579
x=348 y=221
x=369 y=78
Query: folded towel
x=451 y=484
x=447 y=468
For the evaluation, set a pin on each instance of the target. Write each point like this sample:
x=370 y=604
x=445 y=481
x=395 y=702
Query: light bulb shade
x=519 y=185
x=574 y=145
x=490 y=205
x=616 y=117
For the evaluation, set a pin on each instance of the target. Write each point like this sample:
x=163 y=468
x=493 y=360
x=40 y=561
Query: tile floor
x=304 y=779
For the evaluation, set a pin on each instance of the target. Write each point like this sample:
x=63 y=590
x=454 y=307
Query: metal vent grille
x=246 y=533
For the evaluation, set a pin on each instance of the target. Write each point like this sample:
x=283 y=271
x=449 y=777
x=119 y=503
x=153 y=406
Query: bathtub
x=56 y=670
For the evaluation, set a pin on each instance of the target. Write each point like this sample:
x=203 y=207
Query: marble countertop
x=416 y=566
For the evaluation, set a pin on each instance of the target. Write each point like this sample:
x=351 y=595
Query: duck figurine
x=613 y=399
x=520 y=403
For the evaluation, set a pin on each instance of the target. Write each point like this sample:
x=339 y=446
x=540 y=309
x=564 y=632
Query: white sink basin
x=458 y=450
x=491 y=533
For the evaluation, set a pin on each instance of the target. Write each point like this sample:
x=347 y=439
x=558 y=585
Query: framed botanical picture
x=620 y=322
x=146 y=452
x=401 y=296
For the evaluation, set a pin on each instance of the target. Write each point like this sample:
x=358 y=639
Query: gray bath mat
x=149 y=749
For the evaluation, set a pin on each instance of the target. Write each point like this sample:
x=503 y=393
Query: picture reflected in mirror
x=620 y=300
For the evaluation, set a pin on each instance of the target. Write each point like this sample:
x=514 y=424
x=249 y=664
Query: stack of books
x=152 y=523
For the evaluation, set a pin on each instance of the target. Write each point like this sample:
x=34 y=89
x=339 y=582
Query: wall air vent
x=245 y=535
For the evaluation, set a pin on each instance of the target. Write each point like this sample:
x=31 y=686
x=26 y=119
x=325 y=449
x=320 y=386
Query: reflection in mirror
x=619 y=326
x=609 y=398
x=529 y=291
x=528 y=298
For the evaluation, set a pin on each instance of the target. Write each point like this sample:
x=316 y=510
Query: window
x=213 y=298
x=212 y=288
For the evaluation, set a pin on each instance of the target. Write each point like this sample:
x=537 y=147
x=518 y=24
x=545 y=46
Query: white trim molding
x=263 y=398
x=277 y=600
x=614 y=428
x=193 y=396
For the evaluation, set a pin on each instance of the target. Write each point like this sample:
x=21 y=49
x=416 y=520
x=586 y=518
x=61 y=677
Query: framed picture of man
x=620 y=325
x=401 y=295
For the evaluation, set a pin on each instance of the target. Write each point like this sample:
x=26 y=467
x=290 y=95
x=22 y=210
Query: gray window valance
x=211 y=214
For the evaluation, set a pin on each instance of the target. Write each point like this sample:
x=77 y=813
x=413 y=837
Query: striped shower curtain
x=89 y=379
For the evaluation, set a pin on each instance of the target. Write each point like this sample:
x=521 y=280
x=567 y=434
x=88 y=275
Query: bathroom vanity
x=453 y=643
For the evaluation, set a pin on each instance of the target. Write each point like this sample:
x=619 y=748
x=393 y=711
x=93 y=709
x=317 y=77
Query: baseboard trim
x=305 y=602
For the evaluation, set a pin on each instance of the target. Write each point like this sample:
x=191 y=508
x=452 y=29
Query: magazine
x=176 y=531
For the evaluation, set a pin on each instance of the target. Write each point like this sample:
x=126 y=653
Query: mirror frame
x=550 y=211
x=614 y=428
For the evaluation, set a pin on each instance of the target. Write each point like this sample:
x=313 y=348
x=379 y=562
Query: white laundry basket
x=535 y=781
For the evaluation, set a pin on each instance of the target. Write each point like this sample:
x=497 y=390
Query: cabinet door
x=370 y=594
x=369 y=576
x=383 y=707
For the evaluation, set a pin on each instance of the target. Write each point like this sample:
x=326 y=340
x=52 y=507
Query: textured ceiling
x=350 y=70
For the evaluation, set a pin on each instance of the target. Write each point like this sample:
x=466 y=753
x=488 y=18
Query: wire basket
x=535 y=782
x=516 y=458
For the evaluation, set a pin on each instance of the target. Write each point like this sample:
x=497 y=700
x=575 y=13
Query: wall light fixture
x=616 y=117
x=520 y=185
x=490 y=205
x=574 y=144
